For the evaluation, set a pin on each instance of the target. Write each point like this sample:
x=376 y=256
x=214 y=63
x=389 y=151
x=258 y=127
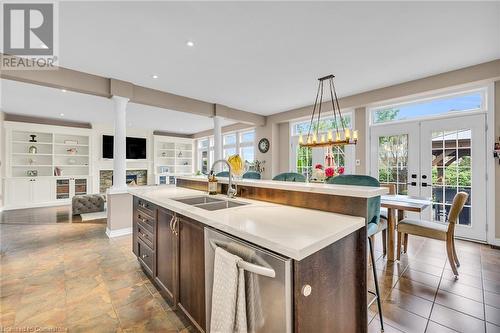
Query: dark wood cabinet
x=192 y=270
x=166 y=255
x=170 y=248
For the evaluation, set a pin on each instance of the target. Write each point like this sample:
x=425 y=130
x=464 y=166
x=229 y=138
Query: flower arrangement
x=320 y=174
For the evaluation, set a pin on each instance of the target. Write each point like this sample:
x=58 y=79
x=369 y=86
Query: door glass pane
x=393 y=161
x=451 y=172
x=304 y=161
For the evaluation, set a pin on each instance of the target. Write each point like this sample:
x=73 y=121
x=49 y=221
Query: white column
x=217 y=141
x=119 y=144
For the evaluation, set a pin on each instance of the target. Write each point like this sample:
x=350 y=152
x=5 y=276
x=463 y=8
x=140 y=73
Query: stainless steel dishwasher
x=272 y=277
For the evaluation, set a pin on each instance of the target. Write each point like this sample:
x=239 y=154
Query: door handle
x=424 y=184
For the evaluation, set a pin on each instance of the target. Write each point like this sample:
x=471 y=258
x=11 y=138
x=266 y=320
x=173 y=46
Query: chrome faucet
x=231 y=192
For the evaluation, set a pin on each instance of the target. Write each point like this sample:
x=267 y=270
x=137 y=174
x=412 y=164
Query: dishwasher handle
x=247 y=266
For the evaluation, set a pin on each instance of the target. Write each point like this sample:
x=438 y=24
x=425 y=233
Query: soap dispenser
x=212 y=183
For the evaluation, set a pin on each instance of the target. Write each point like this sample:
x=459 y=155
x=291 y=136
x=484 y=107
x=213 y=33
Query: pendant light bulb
x=315 y=138
x=337 y=136
x=347 y=134
x=301 y=140
x=322 y=138
x=330 y=137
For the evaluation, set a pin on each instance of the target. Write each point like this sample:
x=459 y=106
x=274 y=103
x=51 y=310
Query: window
x=437 y=106
x=325 y=125
x=232 y=143
x=393 y=161
x=246 y=145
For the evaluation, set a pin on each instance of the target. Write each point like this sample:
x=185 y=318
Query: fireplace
x=134 y=177
x=131 y=179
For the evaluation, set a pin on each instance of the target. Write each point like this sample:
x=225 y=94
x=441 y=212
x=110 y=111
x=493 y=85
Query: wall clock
x=263 y=145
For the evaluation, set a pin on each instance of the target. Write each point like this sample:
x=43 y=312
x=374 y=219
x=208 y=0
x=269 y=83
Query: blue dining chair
x=222 y=174
x=290 y=177
x=372 y=226
x=251 y=175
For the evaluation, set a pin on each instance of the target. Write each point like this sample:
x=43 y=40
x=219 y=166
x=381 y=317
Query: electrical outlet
x=358 y=162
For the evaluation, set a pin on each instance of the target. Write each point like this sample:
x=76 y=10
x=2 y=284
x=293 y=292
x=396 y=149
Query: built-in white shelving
x=45 y=164
x=172 y=157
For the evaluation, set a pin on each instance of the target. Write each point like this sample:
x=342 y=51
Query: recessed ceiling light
x=63 y=90
x=61 y=114
x=190 y=43
x=155 y=76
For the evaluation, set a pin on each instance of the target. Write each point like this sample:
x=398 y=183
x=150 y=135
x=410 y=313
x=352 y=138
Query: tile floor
x=420 y=293
x=56 y=274
x=71 y=277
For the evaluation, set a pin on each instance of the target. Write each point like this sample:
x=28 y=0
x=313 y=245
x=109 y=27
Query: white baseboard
x=118 y=232
x=495 y=242
x=37 y=205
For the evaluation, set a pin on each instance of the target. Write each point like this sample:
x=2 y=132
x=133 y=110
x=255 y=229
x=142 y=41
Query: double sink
x=210 y=203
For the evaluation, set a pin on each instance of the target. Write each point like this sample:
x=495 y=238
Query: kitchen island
x=327 y=250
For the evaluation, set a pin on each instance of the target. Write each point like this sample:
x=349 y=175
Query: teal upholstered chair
x=222 y=174
x=251 y=175
x=290 y=177
x=373 y=221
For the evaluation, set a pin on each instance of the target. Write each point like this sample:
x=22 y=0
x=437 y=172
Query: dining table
x=396 y=206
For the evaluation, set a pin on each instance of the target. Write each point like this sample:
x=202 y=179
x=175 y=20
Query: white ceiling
x=264 y=57
x=27 y=99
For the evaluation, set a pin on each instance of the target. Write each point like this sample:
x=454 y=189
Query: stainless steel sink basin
x=210 y=203
x=198 y=200
x=221 y=205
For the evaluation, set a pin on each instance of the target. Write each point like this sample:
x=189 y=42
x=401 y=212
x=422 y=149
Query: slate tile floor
x=58 y=274
x=71 y=277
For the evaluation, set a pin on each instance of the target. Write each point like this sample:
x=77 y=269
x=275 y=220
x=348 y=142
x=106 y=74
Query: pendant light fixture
x=337 y=138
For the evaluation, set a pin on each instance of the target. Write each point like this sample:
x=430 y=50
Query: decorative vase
x=318 y=175
x=32 y=150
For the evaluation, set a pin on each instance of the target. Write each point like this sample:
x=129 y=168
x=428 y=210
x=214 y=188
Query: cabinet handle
x=144 y=256
x=176 y=222
x=144 y=235
x=172 y=223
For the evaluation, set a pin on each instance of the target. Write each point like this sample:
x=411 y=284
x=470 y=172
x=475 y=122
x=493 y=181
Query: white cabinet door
x=18 y=192
x=42 y=190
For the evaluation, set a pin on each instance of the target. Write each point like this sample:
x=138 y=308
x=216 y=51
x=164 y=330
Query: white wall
x=98 y=163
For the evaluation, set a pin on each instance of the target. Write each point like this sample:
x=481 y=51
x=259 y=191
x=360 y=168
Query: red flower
x=340 y=170
x=318 y=166
x=329 y=172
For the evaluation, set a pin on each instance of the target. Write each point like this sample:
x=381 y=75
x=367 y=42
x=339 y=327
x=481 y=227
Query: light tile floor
x=58 y=274
x=420 y=293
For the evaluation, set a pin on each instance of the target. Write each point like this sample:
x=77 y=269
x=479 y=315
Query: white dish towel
x=228 y=295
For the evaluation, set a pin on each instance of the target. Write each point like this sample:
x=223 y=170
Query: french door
x=436 y=159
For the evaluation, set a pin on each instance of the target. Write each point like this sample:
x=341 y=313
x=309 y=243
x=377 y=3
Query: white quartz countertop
x=290 y=231
x=342 y=190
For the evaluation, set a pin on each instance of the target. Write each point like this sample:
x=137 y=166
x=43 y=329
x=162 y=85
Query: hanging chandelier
x=341 y=136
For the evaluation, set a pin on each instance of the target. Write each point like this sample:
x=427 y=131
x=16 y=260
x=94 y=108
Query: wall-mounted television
x=136 y=147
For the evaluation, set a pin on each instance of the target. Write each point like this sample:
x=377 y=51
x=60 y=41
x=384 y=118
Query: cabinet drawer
x=145 y=235
x=146 y=220
x=146 y=207
x=145 y=256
